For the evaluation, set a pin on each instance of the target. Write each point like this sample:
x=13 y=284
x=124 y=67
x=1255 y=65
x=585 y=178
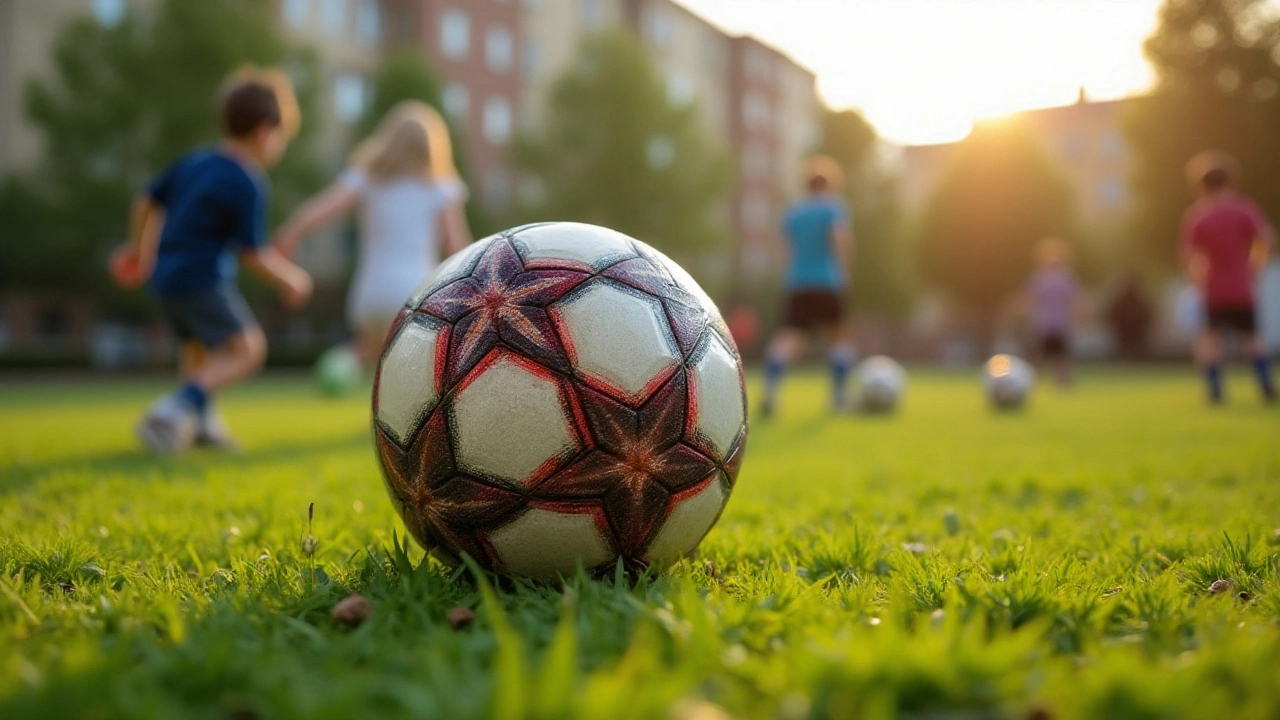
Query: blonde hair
x=253 y=96
x=822 y=172
x=412 y=139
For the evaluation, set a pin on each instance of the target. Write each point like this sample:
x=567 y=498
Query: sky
x=923 y=70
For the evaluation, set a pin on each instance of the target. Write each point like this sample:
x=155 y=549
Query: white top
x=399 y=243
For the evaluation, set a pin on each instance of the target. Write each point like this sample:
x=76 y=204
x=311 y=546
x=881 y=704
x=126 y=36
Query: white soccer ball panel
x=454 y=268
x=618 y=338
x=545 y=544
x=579 y=243
x=719 y=407
x=1008 y=380
x=509 y=422
x=407 y=381
x=881 y=381
x=685 y=527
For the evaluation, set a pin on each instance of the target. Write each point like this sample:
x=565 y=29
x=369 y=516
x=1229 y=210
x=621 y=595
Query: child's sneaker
x=169 y=427
x=212 y=432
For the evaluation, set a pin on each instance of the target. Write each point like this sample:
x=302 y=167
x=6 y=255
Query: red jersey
x=1222 y=230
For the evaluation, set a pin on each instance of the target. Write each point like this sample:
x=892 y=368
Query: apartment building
x=1085 y=140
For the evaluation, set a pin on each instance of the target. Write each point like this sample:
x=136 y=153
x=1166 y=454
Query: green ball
x=338 y=371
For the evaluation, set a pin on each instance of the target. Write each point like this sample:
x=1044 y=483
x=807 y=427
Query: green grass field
x=944 y=563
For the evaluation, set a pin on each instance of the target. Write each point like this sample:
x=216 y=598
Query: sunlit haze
x=923 y=70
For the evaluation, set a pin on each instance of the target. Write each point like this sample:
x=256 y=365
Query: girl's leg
x=783 y=349
x=1261 y=366
x=1209 y=355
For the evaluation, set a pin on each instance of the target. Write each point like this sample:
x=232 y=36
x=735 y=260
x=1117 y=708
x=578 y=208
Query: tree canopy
x=1217 y=86
x=1000 y=194
x=121 y=104
x=613 y=150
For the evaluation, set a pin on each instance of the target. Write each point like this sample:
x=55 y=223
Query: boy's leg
x=1261 y=366
x=842 y=356
x=1209 y=355
x=238 y=358
x=782 y=351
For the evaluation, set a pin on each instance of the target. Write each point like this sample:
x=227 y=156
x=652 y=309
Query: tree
x=614 y=151
x=406 y=75
x=1000 y=194
x=880 y=272
x=1217 y=86
x=122 y=103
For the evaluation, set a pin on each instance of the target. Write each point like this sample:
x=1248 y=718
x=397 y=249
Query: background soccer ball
x=881 y=381
x=1008 y=381
x=338 y=371
x=556 y=394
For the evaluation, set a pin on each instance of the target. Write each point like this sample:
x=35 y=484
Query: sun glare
x=924 y=70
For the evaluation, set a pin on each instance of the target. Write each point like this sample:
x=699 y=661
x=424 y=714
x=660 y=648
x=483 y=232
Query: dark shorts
x=1238 y=319
x=211 y=317
x=1053 y=345
x=811 y=309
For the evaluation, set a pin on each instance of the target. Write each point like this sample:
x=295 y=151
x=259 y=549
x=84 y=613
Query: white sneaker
x=169 y=427
x=212 y=432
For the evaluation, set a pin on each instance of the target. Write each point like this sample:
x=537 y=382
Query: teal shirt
x=814 y=262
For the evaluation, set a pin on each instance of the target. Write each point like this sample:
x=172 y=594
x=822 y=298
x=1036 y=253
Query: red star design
x=638 y=462
x=502 y=302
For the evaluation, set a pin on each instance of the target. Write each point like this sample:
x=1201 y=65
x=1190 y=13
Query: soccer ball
x=559 y=394
x=338 y=371
x=881 y=381
x=1008 y=381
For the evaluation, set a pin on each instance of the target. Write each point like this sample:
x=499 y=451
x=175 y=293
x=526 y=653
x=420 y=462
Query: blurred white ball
x=881 y=382
x=1008 y=381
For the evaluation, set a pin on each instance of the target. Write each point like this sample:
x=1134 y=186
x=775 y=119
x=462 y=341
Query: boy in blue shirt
x=188 y=230
x=821 y=248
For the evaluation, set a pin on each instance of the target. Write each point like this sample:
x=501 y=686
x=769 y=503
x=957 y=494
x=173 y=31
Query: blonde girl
x=410 y=202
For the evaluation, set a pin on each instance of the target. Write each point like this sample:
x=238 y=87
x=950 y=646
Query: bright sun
x=924 y=70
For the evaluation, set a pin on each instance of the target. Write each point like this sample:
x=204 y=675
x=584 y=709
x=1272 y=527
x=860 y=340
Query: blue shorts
x=211 y=317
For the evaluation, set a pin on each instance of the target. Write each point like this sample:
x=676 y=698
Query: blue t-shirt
x=214 y=208
x=814 y=262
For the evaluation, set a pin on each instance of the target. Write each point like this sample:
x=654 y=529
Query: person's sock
x=842 y=359
x=773 y=371
x=1262 y=367
x=195 y=397
x=1213 y=375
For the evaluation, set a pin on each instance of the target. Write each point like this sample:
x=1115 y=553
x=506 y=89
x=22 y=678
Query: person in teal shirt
x=820 y=242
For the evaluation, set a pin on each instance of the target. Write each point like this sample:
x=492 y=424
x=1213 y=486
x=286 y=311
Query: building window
x=297 y=13
x=531 y=58
x=679 y=89
x=1111 y=192
x=659 y=152
x=455 y=34
x=333 y=15
x=755 y=110
x=592 y=14
x=497 y=119
x=109 y=13
x=497 y=190
x=1112 y=144
x=456 y=100
x=369 y=22
x=659 y=26
x=350 y=95
x=498 y=49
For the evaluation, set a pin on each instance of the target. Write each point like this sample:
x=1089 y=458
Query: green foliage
x=613 y=151
x=946 y=562
x=122 y=103
x=406 y=75
x=1217 y=66
x=881 y=272
x=1000 y=195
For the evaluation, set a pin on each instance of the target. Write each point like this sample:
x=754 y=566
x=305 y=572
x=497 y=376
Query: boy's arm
x=320 y=210
x=268 y=265
x=146 y=220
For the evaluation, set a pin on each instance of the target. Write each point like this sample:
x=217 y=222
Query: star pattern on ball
x=638 y=461
x=501 y=301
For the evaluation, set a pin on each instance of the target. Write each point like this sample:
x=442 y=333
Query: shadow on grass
x=191 y=466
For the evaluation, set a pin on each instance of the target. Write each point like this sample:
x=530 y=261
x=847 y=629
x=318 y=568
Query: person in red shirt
x=1225 y=239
